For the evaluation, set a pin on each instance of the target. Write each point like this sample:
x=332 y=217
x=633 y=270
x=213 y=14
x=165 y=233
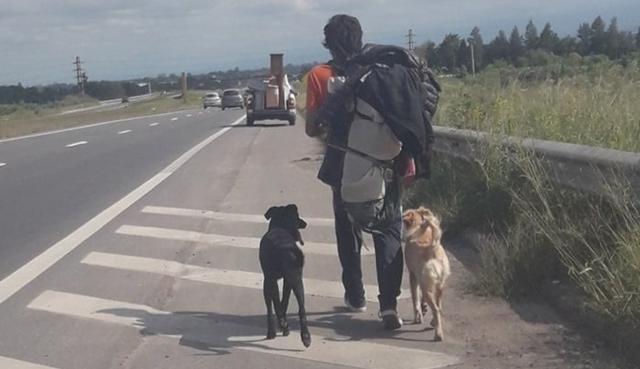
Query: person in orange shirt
x=317 y=84
x=343 y=39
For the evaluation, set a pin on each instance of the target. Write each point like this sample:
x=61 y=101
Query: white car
x=211 y=100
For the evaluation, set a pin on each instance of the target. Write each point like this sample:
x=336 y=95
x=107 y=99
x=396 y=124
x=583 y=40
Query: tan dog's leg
x=439 y=292
x=415 y=297
x=429 y=289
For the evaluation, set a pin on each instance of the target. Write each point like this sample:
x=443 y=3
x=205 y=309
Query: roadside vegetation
x=590 y=101
x=537 y=234
x=22 y=119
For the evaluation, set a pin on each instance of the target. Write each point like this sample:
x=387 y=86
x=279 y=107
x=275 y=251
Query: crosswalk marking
x=217 y=333
x=235 y=278
x=232 y=217
x=9 y=363
x=220 y=240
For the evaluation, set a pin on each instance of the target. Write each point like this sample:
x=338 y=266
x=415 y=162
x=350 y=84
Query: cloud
x=128 y=38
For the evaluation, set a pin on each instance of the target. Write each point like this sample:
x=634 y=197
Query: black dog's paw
x=284 y=327
x=271 y=334
x=306 y=338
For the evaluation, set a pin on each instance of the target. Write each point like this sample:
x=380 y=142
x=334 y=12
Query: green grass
x=593 y=105
x=22 y=120
x=28 y=111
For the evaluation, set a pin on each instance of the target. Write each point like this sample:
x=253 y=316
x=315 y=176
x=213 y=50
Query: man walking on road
x=343 y=39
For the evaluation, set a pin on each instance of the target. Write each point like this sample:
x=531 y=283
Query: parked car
x=264 y=102
x=232 y=98
x=211 y=100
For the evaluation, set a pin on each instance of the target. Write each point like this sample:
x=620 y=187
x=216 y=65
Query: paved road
x=51 y=184
x=138 y=250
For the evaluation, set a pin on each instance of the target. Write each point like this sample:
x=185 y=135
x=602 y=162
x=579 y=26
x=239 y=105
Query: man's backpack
x=386 y=105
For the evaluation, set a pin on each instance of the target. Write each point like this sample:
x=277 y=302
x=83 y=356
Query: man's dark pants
x=389 y=260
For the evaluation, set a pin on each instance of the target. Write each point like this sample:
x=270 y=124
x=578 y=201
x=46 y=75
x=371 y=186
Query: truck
x=271 y=97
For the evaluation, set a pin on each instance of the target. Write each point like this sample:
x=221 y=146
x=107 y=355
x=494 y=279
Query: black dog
x=280 y=257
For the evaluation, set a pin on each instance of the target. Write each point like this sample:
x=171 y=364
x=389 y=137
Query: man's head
x=343 y=37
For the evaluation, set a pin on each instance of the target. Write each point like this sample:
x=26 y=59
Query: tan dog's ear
x=424 y=212
x=409 y=217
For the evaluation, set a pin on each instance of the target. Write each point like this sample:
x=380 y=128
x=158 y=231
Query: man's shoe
x=359 y=307
x=390 y=320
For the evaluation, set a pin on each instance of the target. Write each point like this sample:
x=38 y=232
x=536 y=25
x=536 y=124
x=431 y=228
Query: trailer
x=271 y=97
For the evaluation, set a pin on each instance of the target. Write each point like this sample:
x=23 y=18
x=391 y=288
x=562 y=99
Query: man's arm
x=311 y=127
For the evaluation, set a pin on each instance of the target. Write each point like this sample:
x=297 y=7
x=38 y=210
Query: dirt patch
x=493 y=333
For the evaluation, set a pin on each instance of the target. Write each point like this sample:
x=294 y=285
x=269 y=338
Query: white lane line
x=189 y=115
x=9 y=363
x=174 y=119
x=79 y=143
x=333 y=351
x=231 y=217
x=199 y=113
x=153 y=124
x=83 y=127
x=28 y=272
x=125 y=131
x=3 y=164
x=318 y=248
x=234 y=278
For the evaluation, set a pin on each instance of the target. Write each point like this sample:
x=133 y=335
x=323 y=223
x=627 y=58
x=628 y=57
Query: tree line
x=104 y=90
x=453 y=54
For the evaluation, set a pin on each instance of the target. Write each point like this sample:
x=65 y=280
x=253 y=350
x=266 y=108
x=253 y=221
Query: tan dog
x=427 y=263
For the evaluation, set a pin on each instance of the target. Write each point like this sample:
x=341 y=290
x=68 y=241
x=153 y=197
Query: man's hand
x=311 y=127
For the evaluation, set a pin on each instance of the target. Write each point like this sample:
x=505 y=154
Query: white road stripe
x=174 y=119
x=332 y=351
x=8 y=363
x=125 y=131
x=219 y=240
x=231 y=217
x=234 y=278
x=77 y=143
x=83 y=127
x=199 y=113
x=3 y=164
x=153 y=124
x=28 y=272
x=189 y=115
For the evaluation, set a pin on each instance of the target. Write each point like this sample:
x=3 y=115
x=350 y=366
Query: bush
x=537 y=231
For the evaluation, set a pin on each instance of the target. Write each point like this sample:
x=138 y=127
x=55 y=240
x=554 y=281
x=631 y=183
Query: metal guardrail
x=580 y=167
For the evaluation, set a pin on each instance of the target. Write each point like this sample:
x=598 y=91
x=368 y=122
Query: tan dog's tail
x=433 y=222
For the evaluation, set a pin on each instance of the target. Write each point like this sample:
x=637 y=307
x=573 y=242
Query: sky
x=126 y=39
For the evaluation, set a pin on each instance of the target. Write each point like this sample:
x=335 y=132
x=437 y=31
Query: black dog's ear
x=270 y=213
x=294 y=209
x=301 y=223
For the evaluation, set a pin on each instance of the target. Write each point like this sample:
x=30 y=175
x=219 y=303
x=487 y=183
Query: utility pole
x=81 y=76
x=410 y=42
x=183 y=86
x=469 y=43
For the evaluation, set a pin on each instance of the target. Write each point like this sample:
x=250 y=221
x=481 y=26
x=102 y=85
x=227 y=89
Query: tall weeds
x=594 y=105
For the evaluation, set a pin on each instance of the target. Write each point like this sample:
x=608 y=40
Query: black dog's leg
x=295 y=278
x=284 y=306
x=268 y=291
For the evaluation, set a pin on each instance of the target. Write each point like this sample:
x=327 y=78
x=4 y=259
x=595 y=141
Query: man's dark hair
x=343 y=36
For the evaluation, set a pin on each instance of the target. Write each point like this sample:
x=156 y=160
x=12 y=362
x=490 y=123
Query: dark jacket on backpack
x=387 y=78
